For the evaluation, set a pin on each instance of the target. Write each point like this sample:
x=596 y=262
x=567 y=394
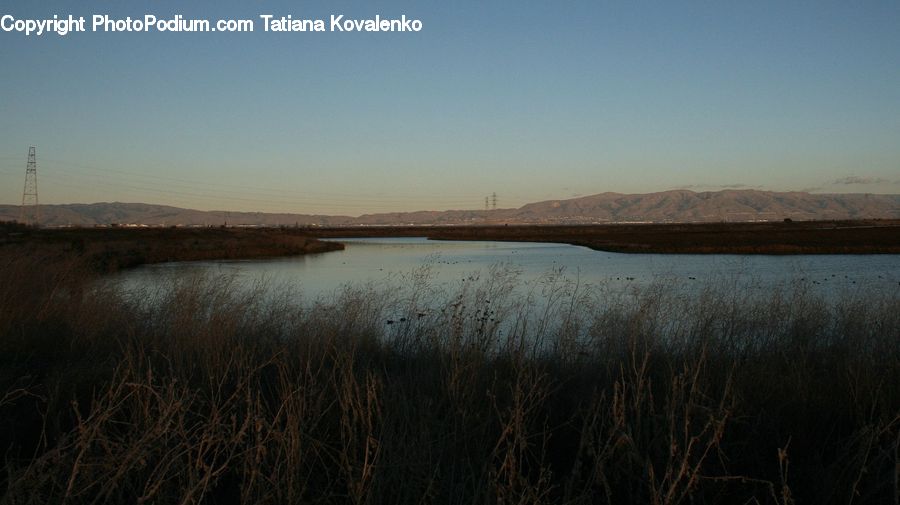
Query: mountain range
x=661 y=207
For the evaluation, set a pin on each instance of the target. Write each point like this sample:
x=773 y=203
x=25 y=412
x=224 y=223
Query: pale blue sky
x=530 y=99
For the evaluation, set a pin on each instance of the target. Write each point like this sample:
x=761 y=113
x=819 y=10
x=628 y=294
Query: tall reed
x=209 y=391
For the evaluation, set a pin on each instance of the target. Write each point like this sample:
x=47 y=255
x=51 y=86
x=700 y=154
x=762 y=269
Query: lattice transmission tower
x=31 y=211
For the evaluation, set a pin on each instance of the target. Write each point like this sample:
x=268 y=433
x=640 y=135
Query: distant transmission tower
x=31 y=211
x=486 y=205
x=494 y=201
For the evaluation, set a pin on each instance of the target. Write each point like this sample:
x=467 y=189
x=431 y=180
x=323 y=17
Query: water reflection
x=448 y=263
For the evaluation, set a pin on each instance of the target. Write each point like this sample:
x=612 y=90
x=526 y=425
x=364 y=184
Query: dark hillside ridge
x=677 y=206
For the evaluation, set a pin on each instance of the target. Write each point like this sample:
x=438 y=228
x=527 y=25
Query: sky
x=532 y=100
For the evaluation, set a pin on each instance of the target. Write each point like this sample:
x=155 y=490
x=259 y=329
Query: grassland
x=110 y=249
x=209 y=392
x=808 y=237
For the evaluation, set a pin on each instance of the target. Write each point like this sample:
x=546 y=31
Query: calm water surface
x=384 y=259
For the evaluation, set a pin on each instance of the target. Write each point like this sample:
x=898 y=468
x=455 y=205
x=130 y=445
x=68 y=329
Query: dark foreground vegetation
x=207 y=392
x=805 y=237
x=110 y=249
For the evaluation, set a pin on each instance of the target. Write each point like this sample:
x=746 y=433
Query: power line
x=220 y=196
x=242 y=188
x=184 y=192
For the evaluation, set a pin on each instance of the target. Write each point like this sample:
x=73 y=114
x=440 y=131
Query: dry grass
x=111 y=249
x=210 y=393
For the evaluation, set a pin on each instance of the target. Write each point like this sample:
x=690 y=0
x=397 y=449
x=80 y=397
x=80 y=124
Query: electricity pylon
x=31 y=211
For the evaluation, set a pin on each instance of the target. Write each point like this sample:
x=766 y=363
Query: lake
x=389 y=259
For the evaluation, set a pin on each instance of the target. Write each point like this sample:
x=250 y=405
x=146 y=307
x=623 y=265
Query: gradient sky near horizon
x=533 y=100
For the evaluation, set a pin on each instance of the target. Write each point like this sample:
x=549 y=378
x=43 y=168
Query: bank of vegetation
x=783 y=237
x=114 y=248
x=211 y=392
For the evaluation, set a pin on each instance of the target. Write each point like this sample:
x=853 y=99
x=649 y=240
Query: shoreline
x=789 y=238
x=112 y=249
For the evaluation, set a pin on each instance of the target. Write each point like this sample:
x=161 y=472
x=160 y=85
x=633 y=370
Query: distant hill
x=78 y=214
x=663 y=207
x=729 y=205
